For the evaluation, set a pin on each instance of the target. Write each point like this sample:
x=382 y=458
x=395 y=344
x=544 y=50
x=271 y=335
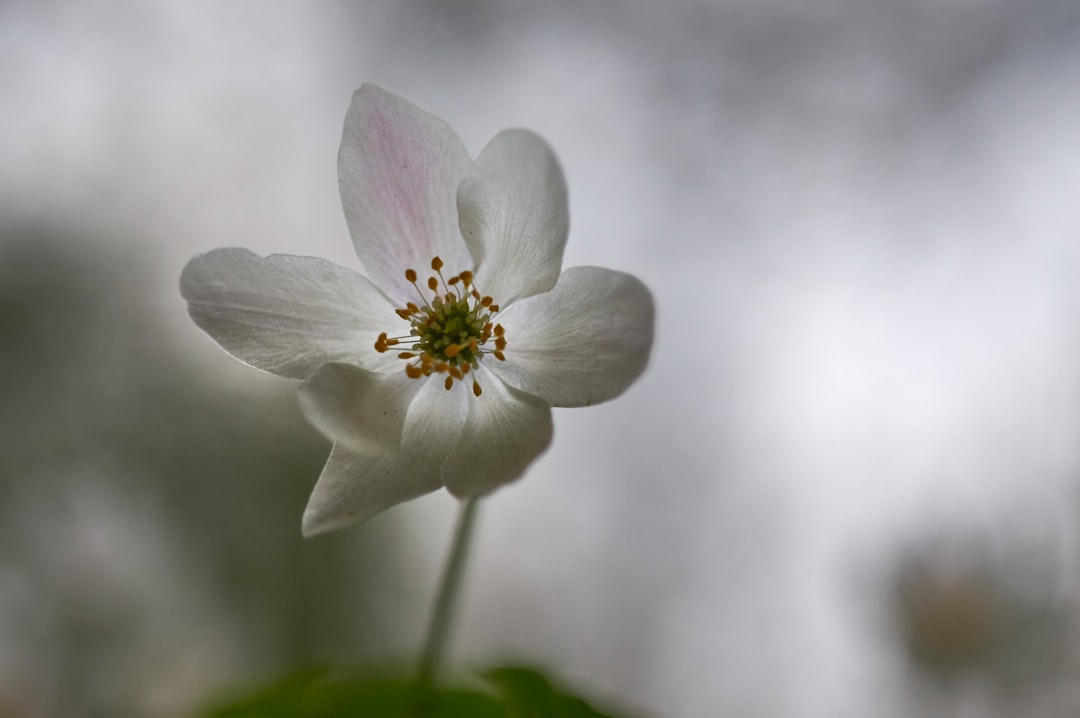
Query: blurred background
x=847 y=485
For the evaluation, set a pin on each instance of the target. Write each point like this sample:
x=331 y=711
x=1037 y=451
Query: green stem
x=435 y=644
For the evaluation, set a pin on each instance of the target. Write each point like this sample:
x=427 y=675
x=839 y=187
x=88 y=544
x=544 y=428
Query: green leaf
x=519 y=693
x=529 y=694
x=318 y=695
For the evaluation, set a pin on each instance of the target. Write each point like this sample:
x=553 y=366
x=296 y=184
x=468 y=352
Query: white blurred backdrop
x=859 y=427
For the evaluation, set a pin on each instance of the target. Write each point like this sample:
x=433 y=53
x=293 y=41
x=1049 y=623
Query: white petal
x=355 y=486
x=514 y=216
x=360 y=410
x=399 y=169
x=505 y=431
x=583 y=342
x=284 y=314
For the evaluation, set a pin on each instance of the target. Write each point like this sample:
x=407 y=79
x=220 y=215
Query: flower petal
x=514 y=216
x=360 y=410
x=285 y=314
x=583 y=342
x=399 y=168
x=355 y=486
x=505 y=431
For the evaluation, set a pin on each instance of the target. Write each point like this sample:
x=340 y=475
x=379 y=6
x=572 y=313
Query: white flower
x=420 y=378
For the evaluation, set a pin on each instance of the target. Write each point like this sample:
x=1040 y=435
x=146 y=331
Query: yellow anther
x=450 y=328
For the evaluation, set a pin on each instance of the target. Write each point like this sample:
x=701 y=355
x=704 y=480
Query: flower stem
x=435 y=644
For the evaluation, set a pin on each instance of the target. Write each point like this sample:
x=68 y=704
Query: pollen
x=451 y=329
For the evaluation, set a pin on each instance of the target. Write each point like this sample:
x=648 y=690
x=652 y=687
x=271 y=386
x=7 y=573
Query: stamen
x=449 y=330
x=437 y=265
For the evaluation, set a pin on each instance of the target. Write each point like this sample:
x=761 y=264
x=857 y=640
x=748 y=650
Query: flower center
x=451 y=331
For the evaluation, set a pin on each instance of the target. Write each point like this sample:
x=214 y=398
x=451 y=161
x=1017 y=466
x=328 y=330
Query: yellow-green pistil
x=450 y=331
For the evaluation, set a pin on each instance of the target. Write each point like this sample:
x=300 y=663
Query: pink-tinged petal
x=355 y=486
x=583 y=342
x=506 y=430
x=399 y=168
x=514 y=216
x=360 y=410
x=285 y=314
